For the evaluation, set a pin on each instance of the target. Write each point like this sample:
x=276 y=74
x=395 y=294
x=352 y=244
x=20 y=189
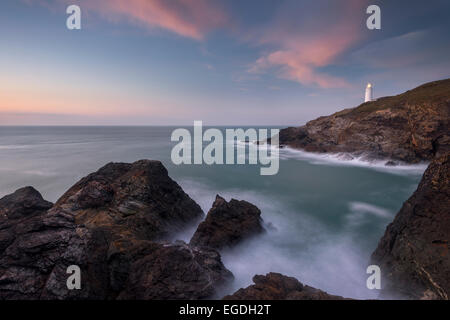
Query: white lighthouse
x=369 y=93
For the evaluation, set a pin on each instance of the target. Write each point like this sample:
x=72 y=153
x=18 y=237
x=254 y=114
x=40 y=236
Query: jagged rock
x=106 y=224
x=33 y=244
x=227 y=224
x=414 y=252
x=275 y=286
x=176 y=271
x=138 y=198
x=411 y=127
x=22 y=203
x=17 y=214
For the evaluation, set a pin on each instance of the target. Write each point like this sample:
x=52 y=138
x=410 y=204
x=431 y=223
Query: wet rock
x=414 y=252
x=33 y=244
x=107 y=224
x=176 y=271
x=275 y=286
x=227 y=224
x=138 y=198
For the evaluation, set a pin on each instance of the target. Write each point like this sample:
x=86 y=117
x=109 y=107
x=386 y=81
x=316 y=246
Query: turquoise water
x=324 y=216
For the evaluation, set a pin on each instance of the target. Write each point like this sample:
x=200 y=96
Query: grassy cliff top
x=429 y=93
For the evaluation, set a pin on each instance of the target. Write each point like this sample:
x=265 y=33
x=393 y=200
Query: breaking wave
x=345 y=159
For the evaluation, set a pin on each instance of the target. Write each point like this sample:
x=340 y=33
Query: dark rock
x=139 y=198
x=34 y=244
x=106 y=224
x=275 y=286
x=411 y=127
x=414 y=252
x=390 y=163
x=18 y=213
x=175 y=271
x=22 y=203
x=227 y=224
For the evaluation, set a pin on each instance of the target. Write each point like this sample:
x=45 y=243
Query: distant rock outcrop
x=275 y=286
x=227 y=224
x=414 y=252
x=410 y=127
x=108 y=224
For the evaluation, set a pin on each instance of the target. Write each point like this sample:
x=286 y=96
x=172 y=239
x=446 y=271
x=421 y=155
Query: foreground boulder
x=108 y=225
x=411 y=127
x=275 y=286
x=22 y=204
x=19 y=214
x=175 y=271
x=138 y=198
x=414 y=252
x=227 y=224
x=34 y=245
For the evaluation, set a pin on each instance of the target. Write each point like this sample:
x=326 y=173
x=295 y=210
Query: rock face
x=175 y=271
x=33 y=244
x=22 y=204
x=108 y=224
x=227 y=224
x=275 y=286
x=414 y=252
x=410 y=127
x=140 y=198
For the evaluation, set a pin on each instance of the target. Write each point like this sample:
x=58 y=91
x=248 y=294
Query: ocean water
x=324 y=215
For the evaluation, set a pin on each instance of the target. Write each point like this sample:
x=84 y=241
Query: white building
x=369 y=93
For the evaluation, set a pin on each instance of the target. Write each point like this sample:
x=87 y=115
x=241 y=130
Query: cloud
x=300 y=64
x=188 y=18
x=304 y=47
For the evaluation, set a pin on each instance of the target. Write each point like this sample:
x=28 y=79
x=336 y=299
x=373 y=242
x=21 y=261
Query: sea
x=324 y=214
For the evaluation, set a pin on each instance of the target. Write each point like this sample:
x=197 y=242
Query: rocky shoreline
x=409 y=128
x=114 y=225
x=117 y=224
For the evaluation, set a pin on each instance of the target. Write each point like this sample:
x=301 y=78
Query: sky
x=224 y=62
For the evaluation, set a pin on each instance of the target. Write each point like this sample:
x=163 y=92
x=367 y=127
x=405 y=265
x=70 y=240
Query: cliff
x=414 y=252
x=410 y=127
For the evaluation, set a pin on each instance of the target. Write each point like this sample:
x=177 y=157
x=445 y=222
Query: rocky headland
x=411 y=127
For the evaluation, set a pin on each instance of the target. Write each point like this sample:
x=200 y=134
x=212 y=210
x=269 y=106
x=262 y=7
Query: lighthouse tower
x=369 y=93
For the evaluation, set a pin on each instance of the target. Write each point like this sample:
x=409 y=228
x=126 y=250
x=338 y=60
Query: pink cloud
x=188 y=18
x=303 y=48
